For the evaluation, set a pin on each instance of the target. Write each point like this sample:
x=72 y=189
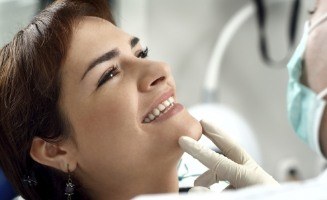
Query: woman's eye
x=143 y=53
x=108 y=74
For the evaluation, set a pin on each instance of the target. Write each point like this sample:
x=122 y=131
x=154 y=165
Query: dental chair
x=6 y=190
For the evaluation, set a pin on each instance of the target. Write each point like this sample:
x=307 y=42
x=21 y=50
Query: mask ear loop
x=322 y=94
x=317 y=125
x=318 y=22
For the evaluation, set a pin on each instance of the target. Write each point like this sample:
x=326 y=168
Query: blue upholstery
x=6 y=191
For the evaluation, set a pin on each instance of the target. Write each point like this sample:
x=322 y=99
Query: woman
x=84 y=114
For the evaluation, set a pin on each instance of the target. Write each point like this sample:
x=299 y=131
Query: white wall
x=14 y=15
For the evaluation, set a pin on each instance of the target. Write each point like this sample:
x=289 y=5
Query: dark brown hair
x=29 y=92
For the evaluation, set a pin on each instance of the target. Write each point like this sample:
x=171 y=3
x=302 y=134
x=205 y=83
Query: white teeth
x=151 y=116
x=156 y=112
x=160 y=108
x=166 y=103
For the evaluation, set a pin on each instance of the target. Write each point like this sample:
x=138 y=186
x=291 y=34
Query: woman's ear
x=57 y=155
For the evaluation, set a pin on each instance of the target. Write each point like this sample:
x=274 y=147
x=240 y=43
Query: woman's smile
x=160 y=108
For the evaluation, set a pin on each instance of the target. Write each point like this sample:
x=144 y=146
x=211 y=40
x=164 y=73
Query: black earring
x=69 y=190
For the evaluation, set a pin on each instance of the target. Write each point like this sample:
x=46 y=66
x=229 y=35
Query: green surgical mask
x=305 y=108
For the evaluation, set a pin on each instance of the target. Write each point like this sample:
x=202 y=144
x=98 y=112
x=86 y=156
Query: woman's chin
x=188 y=126
x=169 y=132
x=194 y=128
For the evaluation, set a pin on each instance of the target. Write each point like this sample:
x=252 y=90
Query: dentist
x=307 y=113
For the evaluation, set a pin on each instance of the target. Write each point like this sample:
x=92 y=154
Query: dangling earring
x=69 y=190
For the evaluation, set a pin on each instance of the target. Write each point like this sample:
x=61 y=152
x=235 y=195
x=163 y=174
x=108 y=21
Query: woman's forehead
x=94 y=29
x=91 y=37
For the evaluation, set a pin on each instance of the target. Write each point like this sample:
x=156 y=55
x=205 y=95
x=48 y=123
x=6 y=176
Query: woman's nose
x=153 y=75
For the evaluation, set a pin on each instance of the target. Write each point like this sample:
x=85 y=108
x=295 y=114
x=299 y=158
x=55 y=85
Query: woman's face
x=108 y=91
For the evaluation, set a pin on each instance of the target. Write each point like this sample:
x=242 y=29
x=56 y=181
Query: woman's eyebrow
x=134 y=42
x=105 y=57
x=108 y=55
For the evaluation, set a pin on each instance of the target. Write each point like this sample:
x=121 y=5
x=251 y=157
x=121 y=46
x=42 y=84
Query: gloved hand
x=234 y=166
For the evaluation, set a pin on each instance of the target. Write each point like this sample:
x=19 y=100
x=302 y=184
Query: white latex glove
x=234 y=166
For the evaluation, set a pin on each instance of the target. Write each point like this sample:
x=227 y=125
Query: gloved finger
x=206 y=179
x=214 y=161
x=199 y=189
x=227 y=146
x=225 y=169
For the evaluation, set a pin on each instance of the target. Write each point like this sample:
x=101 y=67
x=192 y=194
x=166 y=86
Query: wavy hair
x=29 y=92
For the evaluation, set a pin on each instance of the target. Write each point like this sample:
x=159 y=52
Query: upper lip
x=160 y=99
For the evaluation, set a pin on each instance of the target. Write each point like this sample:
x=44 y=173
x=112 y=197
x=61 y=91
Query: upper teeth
x=158 y=110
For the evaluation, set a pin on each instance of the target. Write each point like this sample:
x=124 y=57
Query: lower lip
x=176 y=108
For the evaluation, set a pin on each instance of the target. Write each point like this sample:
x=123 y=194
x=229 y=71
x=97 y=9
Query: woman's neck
x=158 y=181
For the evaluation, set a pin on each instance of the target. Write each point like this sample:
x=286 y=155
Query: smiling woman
x=84 y=114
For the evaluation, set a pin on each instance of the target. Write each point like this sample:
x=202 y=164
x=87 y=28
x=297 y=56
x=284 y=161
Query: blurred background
x=184 y=33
